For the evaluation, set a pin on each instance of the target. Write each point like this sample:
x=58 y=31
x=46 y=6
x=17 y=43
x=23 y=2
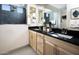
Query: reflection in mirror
x=6 y=7
x=20 y=10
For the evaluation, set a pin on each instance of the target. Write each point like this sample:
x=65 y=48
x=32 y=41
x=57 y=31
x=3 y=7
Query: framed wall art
x=74 y=13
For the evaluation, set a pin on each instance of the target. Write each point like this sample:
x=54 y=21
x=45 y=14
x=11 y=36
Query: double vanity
x=51 y=43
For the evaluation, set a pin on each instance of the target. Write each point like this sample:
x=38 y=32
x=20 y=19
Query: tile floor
x=27 y=50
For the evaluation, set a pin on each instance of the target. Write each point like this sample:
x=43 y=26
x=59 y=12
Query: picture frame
x=74 y=13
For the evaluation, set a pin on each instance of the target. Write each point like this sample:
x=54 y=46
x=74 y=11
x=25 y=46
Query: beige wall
x=12 y=37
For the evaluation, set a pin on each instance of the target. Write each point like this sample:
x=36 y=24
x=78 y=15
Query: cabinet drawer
x=61 y=51
x=73 y=49
x=50 y=49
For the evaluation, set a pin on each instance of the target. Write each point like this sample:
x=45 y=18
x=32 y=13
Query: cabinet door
x=32 y=36
x=49 y=48
x=34 y=41
x=61 y=51
x=40 y=43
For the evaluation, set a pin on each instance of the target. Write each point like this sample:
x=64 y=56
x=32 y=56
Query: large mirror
x=58 y=15
x=40 y=17
x=33 y=15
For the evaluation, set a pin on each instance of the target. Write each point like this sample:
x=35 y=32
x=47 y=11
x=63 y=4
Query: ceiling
x=55 y=7
x=48 y=6
x=19 y=5
x=59 y=6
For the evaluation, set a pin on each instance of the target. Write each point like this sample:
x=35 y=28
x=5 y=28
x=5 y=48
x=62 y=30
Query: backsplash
x=57 y=30
x=73 y=33
x=69 y=32
x=35 y=27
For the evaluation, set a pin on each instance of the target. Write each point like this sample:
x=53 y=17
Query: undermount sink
x=51 y=32
x=36 y=29
x=61 y=35
x=55 y=35
x=65 y=36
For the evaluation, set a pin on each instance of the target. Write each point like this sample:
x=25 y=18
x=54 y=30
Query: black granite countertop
x=74 y=40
